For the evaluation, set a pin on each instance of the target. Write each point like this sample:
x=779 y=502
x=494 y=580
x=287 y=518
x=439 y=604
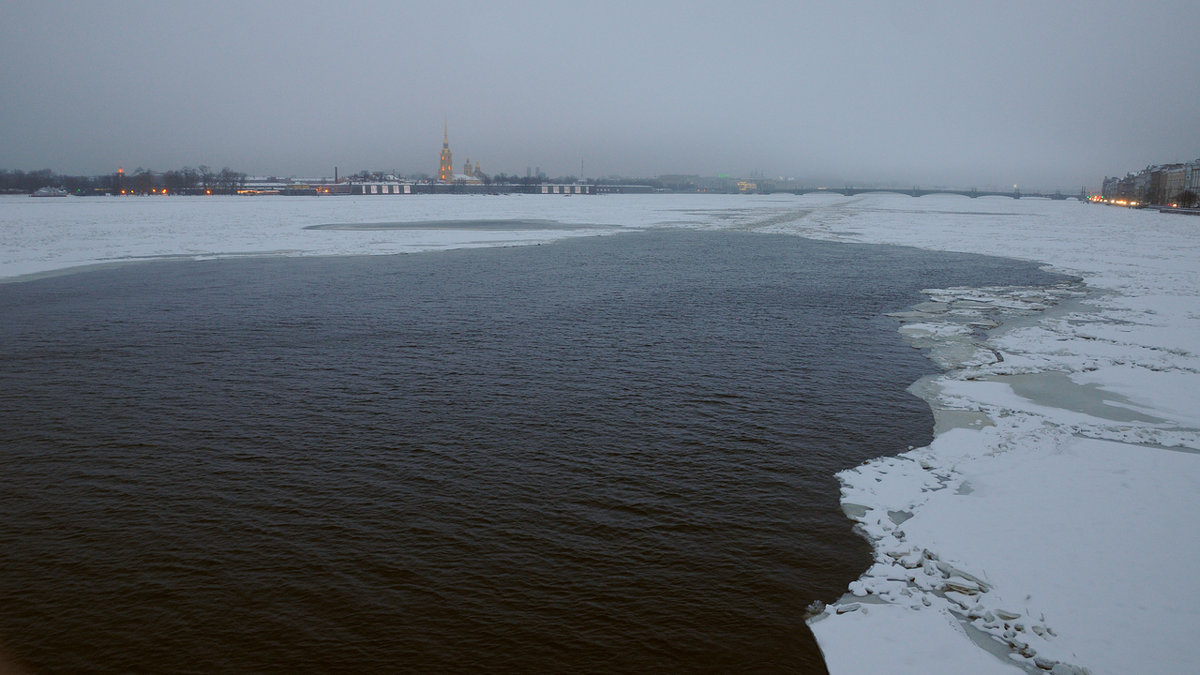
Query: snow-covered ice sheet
x=1053 y=519
x=40 y=236
x=901 y=643
x=1051 y=525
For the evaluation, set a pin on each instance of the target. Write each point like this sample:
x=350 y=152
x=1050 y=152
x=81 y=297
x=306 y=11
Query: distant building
x=445 y=174
x=446 y=165
x=1158 y=184
x=1174 y=181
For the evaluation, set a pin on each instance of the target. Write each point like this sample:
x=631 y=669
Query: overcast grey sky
x=1042 y=94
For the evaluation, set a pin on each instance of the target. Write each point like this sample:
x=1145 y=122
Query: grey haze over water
x=931 y=93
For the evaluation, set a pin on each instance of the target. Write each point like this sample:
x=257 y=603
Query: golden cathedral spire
x=446 y=165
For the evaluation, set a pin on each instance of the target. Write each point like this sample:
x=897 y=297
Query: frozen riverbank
x=1051 y=521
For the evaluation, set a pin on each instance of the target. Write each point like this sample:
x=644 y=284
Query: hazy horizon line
x=806 y=181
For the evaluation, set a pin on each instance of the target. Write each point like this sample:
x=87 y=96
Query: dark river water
x=606 y=454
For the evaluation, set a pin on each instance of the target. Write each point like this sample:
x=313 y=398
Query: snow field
x=1052 y=520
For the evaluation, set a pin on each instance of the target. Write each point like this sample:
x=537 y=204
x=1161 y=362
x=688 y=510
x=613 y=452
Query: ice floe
x=1053 y=516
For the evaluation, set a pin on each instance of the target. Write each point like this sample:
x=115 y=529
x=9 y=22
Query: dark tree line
x=25 y=182
x=201 y=180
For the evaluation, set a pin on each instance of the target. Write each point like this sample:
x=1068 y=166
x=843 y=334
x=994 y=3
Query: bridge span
x=921 y=192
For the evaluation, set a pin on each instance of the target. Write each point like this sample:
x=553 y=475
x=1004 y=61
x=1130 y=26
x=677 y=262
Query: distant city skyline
x=1054 y=95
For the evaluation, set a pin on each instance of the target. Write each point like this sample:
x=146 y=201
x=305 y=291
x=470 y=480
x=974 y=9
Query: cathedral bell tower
x=446 y=166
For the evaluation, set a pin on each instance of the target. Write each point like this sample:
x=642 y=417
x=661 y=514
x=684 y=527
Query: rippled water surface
x=610 y=454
